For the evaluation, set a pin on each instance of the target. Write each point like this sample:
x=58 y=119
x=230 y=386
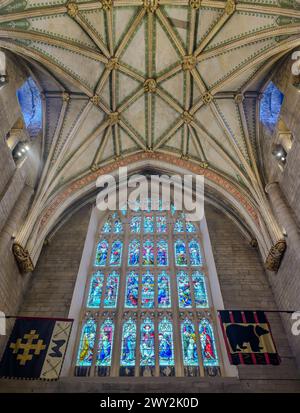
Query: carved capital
x=275 y=256
x=151 y=5
x=207 y=97
x=23 y=259
x=230 y=7
x=113 y=63
x=107 y=4
x=114 y=118
x=195 y=4
x=72 y=9
x=187 y=117
x=65 y=97
x=189 y=62
x=150 y=86
x=95 y=100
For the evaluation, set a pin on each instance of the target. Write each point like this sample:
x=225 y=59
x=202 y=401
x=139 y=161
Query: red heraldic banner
x=248 y=337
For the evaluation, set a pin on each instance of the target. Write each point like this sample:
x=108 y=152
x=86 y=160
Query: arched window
x=147 y=307
x=31 y=106
x=270 y=105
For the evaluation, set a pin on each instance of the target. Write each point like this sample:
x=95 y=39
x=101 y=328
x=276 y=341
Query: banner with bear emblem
x=36 y=348
x=248 y=337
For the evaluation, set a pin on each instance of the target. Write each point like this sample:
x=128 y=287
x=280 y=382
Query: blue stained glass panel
x=134 y=253
x=87 y=342
x=208 y=345
x=132 y=290
x=105 y=347
x=116 y=253
x=190 y=227
x=166 y=346
x=118 y=226
x=111 y=290
x=107 y=227
x=147 y=290
x=96 y=285
x=148 y=253
x=184 y=290
x=189 y=344
x=161 y=224
x=128 y=343
x=195 y=254
x=180 y=253
x=147 y=343
x=135 y=224
x=164 y=295
x=178 y=227
x=162 y=253
x=148 y=224
x=200 y=293
x=101 y=254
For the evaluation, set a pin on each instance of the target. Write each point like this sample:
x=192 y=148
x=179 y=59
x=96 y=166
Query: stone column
x=284 y=214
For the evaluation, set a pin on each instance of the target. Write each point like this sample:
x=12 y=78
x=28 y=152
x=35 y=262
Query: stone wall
x=243 y=283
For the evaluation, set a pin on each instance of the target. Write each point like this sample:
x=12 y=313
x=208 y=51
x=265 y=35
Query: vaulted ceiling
x=169 y=76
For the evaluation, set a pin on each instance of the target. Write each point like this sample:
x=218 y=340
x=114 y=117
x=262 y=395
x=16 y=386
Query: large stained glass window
x=147 y=291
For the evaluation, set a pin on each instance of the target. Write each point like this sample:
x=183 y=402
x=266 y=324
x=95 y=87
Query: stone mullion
x=200 y=360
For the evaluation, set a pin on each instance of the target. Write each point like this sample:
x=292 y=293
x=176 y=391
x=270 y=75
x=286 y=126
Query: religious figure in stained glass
x=184 y=290
x=208 y=345
x=147 y=290
x=195 y=254
x=180 y=253
x=101 y=254
x=135 y=224
x=95 y=292
x=134 y=253
x=164 y=296
x=178 y=227
x=161 y=224
x=116 y=253
x=132 y=290
x=118 y=226
x=147 y=343
x=200 y=292
x=148 y=224
x=128 y=343
x=162 y=253
x=111 y=290
x=107 y=226
x=87 y=342
x=105 y=343
x=190 y=227
x=148 y=253
x=165 y=339
x=189 y=344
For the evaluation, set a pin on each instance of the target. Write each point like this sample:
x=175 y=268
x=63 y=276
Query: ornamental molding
x=195 y=4
x=112 y=64
x=207 y=98
x=151 y=5
x=150 y=86
x=187 y=117
x=72 y=9
x=95 y=100
x=189 y=62
x=107 y=4
x=23 y=258
x=114 y=118
x=230 y=7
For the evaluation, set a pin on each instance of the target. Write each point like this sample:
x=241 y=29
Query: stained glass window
x=164 y=294
x=148 y=290
x=195 y=254
x=200 y=293
x=166 y=347
x=190 y=227
x=147 y=344
x=132 y=290
x=107 y=226
x=148 y=224
x=148 y=253
x=128 y=343
x=101 y=254
x=135 y=224
x=189 y=344
x=111 y=290
x=179 y=227
x=95 y=292
x=162 y=253
x=180 y=253
x=118 y=226
x=87 y=342
x=208 y=345
x=161 y=224
x=116 y=253
x=184 y=290
x=134 y=253
x=105 y=347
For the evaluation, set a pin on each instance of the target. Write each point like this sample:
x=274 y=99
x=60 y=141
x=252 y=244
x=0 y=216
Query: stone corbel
x=275 y=256
x=23 y=258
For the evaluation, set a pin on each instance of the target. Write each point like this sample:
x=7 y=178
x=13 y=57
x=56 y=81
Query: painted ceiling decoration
x=174 y=77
